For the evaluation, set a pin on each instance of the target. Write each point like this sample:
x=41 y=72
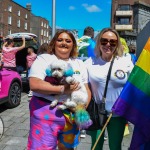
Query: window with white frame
x=18 y=23
x=41 y=31
x=42 y=23
x=26 y=16
x=9 y=19
x=44 y=33
x=10 y=8
x=18 y=12
x=25 y=26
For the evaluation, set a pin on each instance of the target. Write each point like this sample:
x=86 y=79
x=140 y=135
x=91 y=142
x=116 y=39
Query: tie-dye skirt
x=49 y=127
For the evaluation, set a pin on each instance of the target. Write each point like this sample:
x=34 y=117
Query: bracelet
x=62 y=89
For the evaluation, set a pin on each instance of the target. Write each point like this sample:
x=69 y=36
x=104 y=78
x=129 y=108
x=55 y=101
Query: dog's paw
x=53 y=104
x=62 y=107
x=70 y=80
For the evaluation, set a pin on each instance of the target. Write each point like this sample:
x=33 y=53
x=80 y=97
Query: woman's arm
x=89 y=94
x=23 y=44
x=43 y=87
x=4 y=45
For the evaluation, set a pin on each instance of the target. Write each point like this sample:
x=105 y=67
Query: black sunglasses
x=112 y=42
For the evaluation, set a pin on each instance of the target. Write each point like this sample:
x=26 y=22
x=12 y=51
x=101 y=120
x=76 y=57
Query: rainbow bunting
x=134 y=101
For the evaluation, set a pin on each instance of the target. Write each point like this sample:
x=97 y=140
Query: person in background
x=30 y=58
x=86 y=44
x=108 y=47
x=43 y=49
x=48 y=125
x=132 y=52
x=9 y=53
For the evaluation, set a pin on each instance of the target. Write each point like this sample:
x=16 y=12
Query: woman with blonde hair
x=108 y=49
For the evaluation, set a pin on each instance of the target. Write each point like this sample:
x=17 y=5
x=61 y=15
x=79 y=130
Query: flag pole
x=53 y=18
x=103 y=129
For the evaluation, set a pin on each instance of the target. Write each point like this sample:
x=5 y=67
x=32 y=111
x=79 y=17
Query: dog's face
x=58 y=68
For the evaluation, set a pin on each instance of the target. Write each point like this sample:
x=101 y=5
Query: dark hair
x=89 y=31
x=118 y=51
x=51 y=49
x=31 y=47
x=9 y=41
x=132 y=49
x=43 y=48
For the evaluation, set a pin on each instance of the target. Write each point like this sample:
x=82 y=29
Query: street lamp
x=53 y=18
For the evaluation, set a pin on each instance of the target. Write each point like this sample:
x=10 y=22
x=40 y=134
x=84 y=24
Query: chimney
x=28 y=6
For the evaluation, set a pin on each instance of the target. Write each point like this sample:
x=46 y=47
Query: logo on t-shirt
x=120 y=74
x=76 y=72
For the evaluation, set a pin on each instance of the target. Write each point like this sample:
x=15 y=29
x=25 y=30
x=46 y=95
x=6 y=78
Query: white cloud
x=72 y=8
x=91 y=8
x=59 y=27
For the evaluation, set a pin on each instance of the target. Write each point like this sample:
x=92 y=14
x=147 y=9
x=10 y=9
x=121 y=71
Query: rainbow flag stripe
x=134 y=100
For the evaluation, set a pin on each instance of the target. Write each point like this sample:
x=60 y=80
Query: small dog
x=60 y=73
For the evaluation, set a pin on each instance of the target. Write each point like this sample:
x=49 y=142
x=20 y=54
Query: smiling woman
x=108 y=48
x=50 y=126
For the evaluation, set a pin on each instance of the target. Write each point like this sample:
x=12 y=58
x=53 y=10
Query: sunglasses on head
x=112 y=42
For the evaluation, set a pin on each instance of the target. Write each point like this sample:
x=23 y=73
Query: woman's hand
x=72 y=87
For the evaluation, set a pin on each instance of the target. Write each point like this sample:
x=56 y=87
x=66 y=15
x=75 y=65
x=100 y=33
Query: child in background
x=30 y=59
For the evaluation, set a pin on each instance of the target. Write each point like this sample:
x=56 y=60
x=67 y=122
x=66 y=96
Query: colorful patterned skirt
x=50 y=127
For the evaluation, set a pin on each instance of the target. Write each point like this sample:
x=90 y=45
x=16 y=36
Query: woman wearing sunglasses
x=108 y=46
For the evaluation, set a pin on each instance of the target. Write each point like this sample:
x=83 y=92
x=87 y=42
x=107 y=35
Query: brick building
x=40 y=27
x=13 y=18
x=131 y=18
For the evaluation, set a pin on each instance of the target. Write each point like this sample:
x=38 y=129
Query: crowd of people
x=50 y=127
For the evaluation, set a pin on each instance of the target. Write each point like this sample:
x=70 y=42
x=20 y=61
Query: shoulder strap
x=108 y=77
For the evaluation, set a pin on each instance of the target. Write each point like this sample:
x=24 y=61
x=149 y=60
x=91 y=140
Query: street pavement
x=16 y=128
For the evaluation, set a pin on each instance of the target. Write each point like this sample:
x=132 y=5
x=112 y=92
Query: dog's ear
x=49 y=72
x=68 y=71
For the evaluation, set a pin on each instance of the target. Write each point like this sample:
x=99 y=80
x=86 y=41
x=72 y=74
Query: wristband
x=62 y=89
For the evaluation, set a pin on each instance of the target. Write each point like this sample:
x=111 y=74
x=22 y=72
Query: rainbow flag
x=134 y=101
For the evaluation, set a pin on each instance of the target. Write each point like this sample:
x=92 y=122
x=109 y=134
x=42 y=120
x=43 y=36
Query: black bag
x=102 y=114
x=92 y=109
x=98 y=115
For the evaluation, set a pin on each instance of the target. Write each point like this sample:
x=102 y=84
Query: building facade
x=40 y=27
x=130 y=18
x=13 y=18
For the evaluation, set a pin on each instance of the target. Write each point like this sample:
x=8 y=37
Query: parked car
x=10 y=87
x=31 y=40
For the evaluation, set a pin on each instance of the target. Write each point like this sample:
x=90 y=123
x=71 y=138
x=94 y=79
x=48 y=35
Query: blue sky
x=73 y=14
